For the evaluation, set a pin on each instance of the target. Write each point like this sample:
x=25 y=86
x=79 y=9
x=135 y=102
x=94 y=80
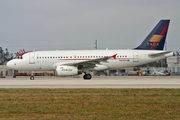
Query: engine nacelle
x=66 y=70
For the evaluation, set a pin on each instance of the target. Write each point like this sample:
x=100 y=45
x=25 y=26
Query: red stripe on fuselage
x=93 y=59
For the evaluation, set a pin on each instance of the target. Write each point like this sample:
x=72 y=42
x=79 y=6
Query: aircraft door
x=135 y=56
x=31 y=58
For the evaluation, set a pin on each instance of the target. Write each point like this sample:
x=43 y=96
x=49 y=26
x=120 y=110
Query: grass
x=98 y=104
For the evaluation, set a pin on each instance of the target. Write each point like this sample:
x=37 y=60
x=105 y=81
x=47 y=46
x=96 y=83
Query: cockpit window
x=19 y=57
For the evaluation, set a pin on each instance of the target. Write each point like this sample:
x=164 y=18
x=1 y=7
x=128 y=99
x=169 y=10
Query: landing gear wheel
x=84 y=76
x=87 y=76
x=32 y=78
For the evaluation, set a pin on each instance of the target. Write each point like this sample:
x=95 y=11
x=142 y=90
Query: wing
x=92 y=62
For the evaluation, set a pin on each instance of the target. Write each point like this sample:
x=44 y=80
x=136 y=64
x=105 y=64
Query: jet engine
x=67 y=70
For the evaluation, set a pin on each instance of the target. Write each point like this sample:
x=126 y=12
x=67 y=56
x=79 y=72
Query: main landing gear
x=87 y=76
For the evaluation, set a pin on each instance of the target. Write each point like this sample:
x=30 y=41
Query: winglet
x=114 y=56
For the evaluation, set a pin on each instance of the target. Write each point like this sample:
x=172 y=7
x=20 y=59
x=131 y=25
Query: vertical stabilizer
x=157 y=37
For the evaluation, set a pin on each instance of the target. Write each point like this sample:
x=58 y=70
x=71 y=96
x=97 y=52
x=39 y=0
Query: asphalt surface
x=96 y=82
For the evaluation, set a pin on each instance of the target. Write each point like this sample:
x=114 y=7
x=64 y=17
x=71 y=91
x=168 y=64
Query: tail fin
x=157 y=37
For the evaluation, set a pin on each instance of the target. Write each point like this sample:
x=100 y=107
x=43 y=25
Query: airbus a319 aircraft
x=74 y=62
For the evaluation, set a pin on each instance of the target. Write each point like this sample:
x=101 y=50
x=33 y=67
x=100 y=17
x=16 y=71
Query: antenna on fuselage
x=96 y=44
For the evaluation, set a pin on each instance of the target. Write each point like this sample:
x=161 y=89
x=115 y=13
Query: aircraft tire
x=32 y=78
x=87 y=76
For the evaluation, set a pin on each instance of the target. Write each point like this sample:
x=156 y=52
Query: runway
x=96 y=82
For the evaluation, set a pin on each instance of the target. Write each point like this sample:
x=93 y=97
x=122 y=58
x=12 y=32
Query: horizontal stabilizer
x=160 y=54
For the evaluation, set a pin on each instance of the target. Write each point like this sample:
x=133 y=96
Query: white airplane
x=157 y=73
x=74 y=62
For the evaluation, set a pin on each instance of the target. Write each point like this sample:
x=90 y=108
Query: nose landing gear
x=32 y=75
x=32 y=78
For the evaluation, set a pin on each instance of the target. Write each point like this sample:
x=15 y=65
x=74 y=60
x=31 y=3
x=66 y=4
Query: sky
x=76 y=24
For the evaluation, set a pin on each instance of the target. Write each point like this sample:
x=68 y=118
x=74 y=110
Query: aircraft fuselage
x=48 y=60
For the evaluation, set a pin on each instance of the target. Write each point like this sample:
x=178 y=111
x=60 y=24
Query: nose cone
x=10 y=64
